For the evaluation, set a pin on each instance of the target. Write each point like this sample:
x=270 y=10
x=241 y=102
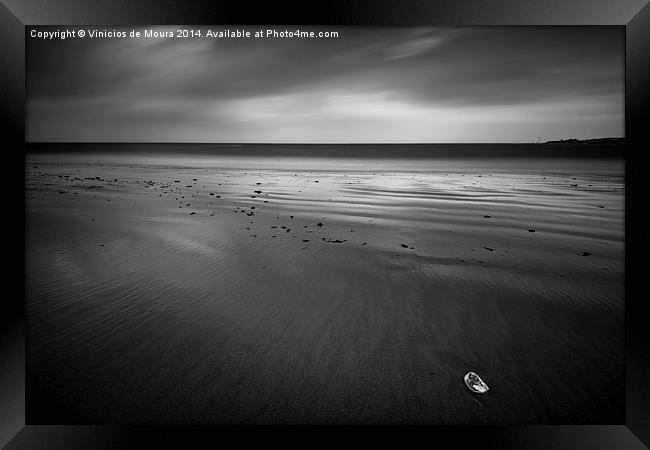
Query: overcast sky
x=480 y=84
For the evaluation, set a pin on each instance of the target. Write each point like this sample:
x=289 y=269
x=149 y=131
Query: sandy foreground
x=161 y=293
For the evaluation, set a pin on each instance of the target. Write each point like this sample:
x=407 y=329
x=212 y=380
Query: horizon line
x=325 y=143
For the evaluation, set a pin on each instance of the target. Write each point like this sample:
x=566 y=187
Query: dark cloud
x=436 y=84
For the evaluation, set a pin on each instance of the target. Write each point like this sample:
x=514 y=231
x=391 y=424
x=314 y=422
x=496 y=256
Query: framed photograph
x=416 y=218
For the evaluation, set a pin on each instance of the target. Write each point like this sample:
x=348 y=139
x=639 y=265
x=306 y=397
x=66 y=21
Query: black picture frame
x=15 y=15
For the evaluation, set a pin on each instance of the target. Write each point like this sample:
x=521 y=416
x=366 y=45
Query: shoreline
x=313 y=326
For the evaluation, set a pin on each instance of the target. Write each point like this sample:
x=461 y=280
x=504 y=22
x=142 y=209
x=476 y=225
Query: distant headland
x=608 y=140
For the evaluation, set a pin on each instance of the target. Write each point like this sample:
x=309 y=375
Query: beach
x=228 y=289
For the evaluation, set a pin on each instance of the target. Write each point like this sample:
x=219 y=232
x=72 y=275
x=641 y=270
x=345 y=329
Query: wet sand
x=161 y=291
